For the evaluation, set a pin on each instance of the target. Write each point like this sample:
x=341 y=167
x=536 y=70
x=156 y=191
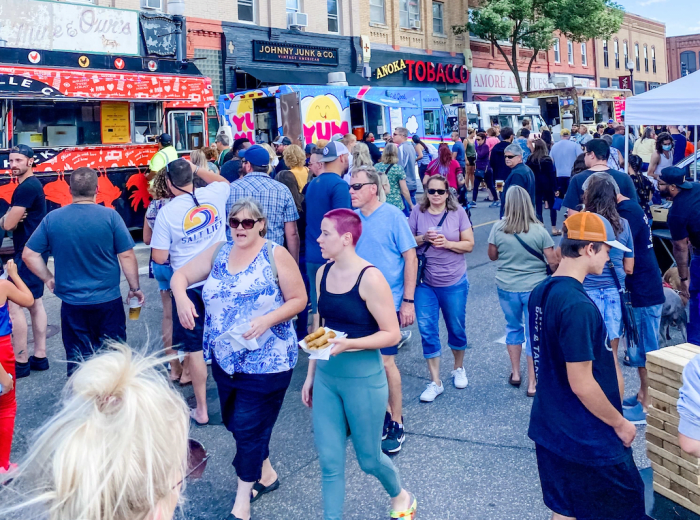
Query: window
x=653 y=60
x=246 y=11
x=557 y=51
x=431 y=119
x=584 y=56
x=617 y=54
x=640 y=86
x=55 y=124
x=646 y=59
x=606 y=60
x=292 y=6
x=625 y=53
x=147 y=121
x=604 y=83
x=187 y=128
x=376 y=11
x=409 y=14
x=570 y=48
x=688 y=64
x=438 y=26
x=636 y=56
x=333 y=20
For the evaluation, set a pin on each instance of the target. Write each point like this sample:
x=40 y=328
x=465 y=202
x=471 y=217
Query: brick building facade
x=683 y=55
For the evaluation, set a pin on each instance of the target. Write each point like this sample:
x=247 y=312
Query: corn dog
x=315 y=335
x=321 y=342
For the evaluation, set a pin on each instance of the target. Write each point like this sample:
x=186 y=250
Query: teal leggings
x=358 y=402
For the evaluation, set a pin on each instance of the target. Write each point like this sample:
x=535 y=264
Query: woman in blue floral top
x=249 y=336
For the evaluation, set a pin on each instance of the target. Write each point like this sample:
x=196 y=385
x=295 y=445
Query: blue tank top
x=5 y=323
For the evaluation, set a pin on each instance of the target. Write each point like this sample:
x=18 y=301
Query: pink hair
x=346 y=221
x=445 y=155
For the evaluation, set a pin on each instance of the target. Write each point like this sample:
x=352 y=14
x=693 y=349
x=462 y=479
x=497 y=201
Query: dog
x=673 y=313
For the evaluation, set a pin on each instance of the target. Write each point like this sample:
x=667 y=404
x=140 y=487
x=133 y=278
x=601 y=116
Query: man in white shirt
x=191 y=222
x=564 y=154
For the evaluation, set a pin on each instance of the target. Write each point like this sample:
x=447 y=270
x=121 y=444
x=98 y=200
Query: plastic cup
x=134 y=308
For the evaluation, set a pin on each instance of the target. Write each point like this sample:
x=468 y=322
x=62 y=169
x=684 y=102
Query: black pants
x=490 y=184
x=539 y=203
x=250 y=404
x=84 y=328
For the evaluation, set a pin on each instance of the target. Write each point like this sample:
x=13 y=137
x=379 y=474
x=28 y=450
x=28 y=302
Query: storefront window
x=431 y=118
x=246 y=11
x=186 y=127
x=333 y=26
x=640 y=87
x=438 y=27
x=147 y=121
x=376 y=11
x=56 y=123
x=409 y=14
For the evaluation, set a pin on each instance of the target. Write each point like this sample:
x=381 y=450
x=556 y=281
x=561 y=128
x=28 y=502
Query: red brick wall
x=675 y=45
x=203 y=34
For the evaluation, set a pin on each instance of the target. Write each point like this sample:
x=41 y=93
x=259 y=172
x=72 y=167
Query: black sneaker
x=387 y=423
x=22 y=370
x=394 y=439
x=38 y=363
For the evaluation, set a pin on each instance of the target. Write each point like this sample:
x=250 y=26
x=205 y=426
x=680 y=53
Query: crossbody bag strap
x=534 y=253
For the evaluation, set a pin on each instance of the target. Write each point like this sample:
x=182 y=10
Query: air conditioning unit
x=297 y=20
x=415 y=24
x=152 y=5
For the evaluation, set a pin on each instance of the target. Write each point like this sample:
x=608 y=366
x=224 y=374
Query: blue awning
x=379 y=96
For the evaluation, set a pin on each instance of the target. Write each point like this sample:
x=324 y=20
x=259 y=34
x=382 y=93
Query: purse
x=534 y=253
x=629 y=325
x=422 y=258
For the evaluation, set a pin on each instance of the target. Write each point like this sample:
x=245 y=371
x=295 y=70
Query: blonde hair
x=198 y=158
x=273 y=155
x=349 y=139
x=159 y=187
x=519 y=212
x=321 y=143
x=250 y=205
x=390 y=154
x=361 y=156
x=294 y=156
x=116 y=449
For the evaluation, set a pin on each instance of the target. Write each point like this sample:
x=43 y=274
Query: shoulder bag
x=421 y=256
x=534 y=253
x=629 y=325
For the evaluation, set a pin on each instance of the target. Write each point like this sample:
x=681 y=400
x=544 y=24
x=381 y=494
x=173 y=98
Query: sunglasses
x=358 y=186
x=433 y=191
x=247 y=223
x=510 y=156
x=197 y=458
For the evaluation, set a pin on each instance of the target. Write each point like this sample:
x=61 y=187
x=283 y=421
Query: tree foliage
x=531 y=24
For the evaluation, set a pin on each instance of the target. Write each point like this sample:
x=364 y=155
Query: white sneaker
x=431 y=392
x=405 y=336
x=459 y=377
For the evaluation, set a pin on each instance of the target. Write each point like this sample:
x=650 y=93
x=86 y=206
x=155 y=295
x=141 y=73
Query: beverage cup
x=434 y=231
x=134 y=308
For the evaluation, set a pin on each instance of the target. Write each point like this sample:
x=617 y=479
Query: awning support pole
x=627 y=147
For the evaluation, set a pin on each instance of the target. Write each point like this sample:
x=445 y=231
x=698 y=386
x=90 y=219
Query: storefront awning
x=298 y=77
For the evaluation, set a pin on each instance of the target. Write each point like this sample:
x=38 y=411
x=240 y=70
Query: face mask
x=667 y=147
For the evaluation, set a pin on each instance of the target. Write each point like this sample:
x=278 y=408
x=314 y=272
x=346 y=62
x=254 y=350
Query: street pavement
x=466 y=456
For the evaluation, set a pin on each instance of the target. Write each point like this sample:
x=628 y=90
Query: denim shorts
x=452 y=301
x=514 y=305
x=162 y=274
x=648 y=321
x=608 y=303
x=394 y=349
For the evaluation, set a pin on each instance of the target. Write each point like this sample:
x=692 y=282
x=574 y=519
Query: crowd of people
x=255 y=247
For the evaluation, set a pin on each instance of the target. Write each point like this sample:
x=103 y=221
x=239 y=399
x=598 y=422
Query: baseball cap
x=283 y=140
x=675 y=176
x=309 y=148
x=255 y=155
x=565 y=131
x=611 y=121
x=24 y=150
x=591 y=227
x=333 y=150
x=165 y=139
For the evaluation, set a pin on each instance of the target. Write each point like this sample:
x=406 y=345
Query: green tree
x=531 y=24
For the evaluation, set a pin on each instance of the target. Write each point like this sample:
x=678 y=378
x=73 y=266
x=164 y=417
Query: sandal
x=531 y=394
x=513 y=382
x=556 y=233
x=195 y=422
x=408 y=514
x=261 y=490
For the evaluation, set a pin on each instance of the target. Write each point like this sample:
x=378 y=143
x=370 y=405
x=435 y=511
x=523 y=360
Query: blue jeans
x=514 y=305
x=452 y=300
x=608 y=303
x=648 y=321
x=694 y=307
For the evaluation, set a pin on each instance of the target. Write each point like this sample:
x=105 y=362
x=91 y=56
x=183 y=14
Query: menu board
x=115 y=123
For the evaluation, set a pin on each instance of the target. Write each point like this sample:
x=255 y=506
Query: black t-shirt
x=684 y=215
x=574 y=195
x=29 y=195
x=645 y=285
x=568 y=328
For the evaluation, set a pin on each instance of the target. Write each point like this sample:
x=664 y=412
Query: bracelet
x=684 y=279
x=408 y=301
x=135 y=290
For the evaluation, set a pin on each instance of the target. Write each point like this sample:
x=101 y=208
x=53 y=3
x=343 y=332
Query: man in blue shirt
x=520 y=174
x=458 y=153
x=388 y=244
x=618 y=140
x=326 y=192
x=564 y=154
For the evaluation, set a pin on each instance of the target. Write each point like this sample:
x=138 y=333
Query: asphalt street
x=466 y=456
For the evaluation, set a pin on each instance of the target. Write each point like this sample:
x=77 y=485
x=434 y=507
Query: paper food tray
x=322 y=354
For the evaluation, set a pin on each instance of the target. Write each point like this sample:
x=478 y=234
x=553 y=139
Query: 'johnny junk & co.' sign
x=293 y=53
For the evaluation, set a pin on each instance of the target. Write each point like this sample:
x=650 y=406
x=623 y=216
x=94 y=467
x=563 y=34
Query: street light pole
x=630 y=67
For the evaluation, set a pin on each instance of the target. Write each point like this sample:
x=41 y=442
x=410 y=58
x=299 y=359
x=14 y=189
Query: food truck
x=105 y=120
x=587 y=105
x=485 y=114
x=307 y=113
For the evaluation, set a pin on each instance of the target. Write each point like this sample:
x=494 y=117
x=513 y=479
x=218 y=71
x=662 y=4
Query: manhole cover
x=51 y=330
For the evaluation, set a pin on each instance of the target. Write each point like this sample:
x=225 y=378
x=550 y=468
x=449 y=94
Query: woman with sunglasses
x=250 y=337
x=349 y=392
x=444 y=234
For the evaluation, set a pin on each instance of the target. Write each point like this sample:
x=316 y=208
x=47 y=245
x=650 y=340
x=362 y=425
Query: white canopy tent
x=676 y=103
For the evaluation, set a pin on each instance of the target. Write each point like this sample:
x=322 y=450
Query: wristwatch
x=408 y=301
x=135 y=290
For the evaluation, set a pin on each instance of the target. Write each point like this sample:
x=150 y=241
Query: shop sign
x=294 y=53
x=492 y=81
x=115 y=123
x=59 y=26
x=626 y=82
x=423 y=71
x=15 y=84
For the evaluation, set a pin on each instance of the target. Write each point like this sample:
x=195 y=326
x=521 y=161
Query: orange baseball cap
x=591 y=227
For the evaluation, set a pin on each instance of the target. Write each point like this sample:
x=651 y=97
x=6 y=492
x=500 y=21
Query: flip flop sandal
x=408 y=514
x=514 y=383
x=261 y=490
x=195 y=422
x=531 y=394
